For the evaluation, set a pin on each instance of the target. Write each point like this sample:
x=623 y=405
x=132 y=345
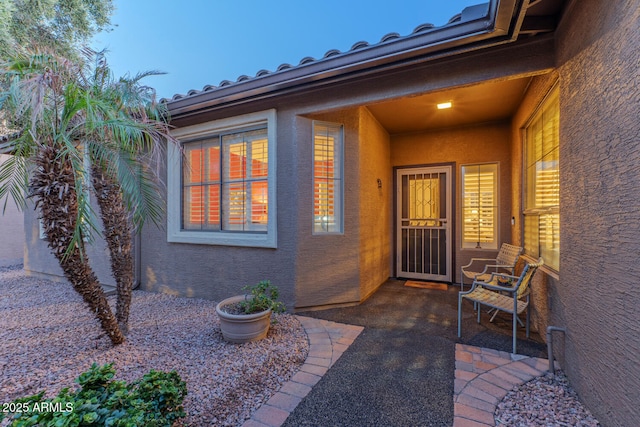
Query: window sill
x=261 y=240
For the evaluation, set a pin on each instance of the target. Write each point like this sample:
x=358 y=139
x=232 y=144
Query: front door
x=423 y=248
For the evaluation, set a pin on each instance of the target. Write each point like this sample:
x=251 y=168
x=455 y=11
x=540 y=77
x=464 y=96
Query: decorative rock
x=49 y=338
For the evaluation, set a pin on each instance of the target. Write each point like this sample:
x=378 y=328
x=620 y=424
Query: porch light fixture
x=444 y=105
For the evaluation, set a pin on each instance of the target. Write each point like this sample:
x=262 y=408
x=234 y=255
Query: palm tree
x=75 y=121
x=123 y=183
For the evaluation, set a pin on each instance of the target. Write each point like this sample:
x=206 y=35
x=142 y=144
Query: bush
x=262 y=296
x=153 y=401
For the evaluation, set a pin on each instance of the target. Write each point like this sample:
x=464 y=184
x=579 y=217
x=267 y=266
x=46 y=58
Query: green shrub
x=153 y=401
x=263 y=296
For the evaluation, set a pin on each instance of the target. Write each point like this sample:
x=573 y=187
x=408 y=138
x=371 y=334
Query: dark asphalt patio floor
x=400 y=369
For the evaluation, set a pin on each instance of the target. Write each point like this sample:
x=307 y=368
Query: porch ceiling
x=480 y=103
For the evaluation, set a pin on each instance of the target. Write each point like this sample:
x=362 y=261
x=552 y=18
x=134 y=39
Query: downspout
x=550 y=345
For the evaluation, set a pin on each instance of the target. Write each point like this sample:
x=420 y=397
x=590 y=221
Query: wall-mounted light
x=444 y=105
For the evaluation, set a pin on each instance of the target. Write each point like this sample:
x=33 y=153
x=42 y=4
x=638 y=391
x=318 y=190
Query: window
x=225 y=182
x=327 y=178
x=542 y=183
x=480 y=206
x=222 y=184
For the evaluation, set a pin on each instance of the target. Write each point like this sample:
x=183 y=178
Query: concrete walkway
x=482 y=376
x=327 y=341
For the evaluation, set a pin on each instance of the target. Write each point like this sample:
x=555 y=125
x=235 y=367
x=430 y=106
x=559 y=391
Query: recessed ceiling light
x=444 y=105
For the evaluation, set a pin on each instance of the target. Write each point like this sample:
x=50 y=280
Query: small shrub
x=153 y=401
x=263 y=296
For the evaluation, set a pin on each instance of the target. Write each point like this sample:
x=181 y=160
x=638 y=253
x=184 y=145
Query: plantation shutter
x=327 y=178
x=542 y=185
x=245 y=183
x=479 y=223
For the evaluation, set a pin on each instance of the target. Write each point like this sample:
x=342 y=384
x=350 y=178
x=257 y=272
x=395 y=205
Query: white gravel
x=48 y=337
x=545 y=401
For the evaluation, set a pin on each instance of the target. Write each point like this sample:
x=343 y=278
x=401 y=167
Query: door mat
x=426 y=285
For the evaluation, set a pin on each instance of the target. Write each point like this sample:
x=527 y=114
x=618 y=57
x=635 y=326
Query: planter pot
x=241 y=328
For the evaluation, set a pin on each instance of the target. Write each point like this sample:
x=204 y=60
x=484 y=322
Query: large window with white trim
x=327 y=178
x=223 y=182
x=480 y=206
x=542 y=183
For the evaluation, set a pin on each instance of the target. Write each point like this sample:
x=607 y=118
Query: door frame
x=452 y=220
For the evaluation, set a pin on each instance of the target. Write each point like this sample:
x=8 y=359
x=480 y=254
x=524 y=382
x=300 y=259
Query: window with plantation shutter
x=224 y=174
x=480 y=206
x=542 y=183
x=327 y=178
x=226 y=182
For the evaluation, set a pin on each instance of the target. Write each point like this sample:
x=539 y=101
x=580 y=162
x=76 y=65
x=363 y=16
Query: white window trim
x=175 y=234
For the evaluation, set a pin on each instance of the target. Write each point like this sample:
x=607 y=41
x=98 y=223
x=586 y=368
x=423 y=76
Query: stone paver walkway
x=482 y=376
x=327 y=341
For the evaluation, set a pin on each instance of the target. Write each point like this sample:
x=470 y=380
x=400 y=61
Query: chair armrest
x=495 y=266
x=478 y=259
x=494 y=276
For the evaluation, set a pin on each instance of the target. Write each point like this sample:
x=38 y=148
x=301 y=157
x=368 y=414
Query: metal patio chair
x=505 y=261
x=502 y=292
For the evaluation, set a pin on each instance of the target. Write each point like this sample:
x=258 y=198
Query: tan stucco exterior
x=483 y=143
x=593 y=56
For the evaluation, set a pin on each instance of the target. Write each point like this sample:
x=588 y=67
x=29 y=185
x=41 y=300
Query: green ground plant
x=153 y=401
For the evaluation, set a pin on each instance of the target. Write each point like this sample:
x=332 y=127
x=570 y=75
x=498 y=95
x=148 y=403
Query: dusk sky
x=201 y=42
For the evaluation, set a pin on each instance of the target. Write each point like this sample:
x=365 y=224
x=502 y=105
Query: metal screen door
x=423 y=223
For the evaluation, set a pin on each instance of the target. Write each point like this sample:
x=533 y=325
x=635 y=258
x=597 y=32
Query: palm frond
x=14 y=180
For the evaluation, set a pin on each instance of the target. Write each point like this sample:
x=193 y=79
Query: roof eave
x=498 y=25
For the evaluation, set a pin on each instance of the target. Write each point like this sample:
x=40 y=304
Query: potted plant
x=245 y=318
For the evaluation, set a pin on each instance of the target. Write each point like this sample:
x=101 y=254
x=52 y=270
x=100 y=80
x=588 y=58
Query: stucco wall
x=599 y=293
x=467 y=145
x=328 y=265
x=39 y=261
x=11 y=229
x=216 y=272
x=376 y=229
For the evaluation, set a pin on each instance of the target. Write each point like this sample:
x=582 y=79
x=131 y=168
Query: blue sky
x=200 y=42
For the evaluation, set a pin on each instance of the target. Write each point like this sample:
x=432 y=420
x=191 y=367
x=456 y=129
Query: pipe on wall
x=551 y=329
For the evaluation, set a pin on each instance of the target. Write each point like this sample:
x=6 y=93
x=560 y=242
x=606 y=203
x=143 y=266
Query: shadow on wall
x=156 y=284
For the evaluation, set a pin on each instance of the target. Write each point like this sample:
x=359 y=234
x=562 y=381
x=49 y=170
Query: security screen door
x=424 y=223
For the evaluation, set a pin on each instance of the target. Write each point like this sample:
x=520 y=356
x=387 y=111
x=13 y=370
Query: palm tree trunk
x=118 y=234
x=53 y=186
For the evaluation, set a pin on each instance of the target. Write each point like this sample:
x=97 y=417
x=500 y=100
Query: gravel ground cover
x=545 y=401
x=48 y=337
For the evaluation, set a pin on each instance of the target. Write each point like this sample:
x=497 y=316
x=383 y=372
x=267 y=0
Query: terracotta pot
x=241 y=328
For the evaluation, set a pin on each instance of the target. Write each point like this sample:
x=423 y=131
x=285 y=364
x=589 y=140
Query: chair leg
x=515 y=323
x=479 y=311
x=528 y=320
x=459 y=315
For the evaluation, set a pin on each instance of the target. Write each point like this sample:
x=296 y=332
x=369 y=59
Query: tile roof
x=469 y=13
